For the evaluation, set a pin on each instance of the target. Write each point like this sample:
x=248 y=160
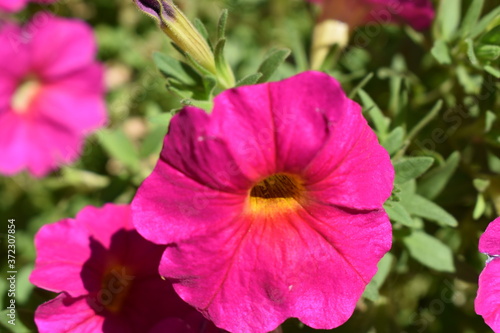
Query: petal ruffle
x=253 y=275
x=57 y=266
x=487 y=303
x=489 y=241
x=353 y=170
x=60 y=46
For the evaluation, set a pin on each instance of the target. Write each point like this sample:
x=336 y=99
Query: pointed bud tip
x=156 y=8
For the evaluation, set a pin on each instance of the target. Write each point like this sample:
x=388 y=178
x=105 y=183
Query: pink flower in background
x=51 y=93
x=273 y=203
x=417 y=13
x=16 y=5
x=487 y=302
x=108 y=278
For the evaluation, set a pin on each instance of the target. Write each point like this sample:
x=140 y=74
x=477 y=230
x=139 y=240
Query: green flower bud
x=180 y=30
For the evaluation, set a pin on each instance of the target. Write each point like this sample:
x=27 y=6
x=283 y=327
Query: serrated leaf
x=271 y=64
x=249 y=79
x=118 y=145
x=431 y=184
x=411 y=167
x=441 y=52
x=380 y=121
x=397 y=213
x=471 y=17
x=429 y=251
x=420 y=206
x=394 y=141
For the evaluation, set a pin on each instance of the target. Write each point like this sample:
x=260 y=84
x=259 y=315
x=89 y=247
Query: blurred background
x=428 y=282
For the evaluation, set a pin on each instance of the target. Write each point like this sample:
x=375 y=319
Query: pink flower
x=274 y=203
x=108 y=278
x=51 y=93
x=417 y=13
x=16 y=5
x=487 y=302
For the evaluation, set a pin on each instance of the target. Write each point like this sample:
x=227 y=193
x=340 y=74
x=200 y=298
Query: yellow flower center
x=115 y=287
x=24 y=95
x=278 y=193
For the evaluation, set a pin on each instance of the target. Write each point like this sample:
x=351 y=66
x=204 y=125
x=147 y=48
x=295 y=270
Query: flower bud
x=180 y=30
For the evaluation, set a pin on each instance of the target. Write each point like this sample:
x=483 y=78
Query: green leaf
x=249 y=79
x=271 y=64
x=429 y=251
x=489 y=121
x=397 y=213
x=384 y=267
x=420 y=206
x=441 y=52
x=360 y=85
x=481 y=185
x=470 y=52
x=448 y=18
x=221 y=26
x=202 y=30
x=118 y=145
x=411 y=167
x=493 y=71
x=479 y=208
x=431 y=184
x=394 y=141
x=491 y=37
x=174 y=68
x=471 y=17
x=481 y=26
x=380 y=121
x=153 y=142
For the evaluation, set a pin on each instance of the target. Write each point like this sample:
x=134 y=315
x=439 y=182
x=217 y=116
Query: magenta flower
x=417 y=13
x=16 y=5
x=108 y=278
x=487 y=302
x=274 y=204
x=51 y=93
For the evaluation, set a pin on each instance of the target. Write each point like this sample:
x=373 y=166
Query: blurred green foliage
x=431 y=97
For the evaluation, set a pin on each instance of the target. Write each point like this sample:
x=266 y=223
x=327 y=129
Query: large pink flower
x=51 y=93
x=16 y=5
x=487 y=302
x=273 y=203
x=417 y=13
x=108 y=276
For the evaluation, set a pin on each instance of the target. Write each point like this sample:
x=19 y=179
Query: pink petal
x=14 y=46
x=300 y=267
x=487 y=303
x=58 y=266
x=12 y=5
x=60 y=46
x=67 y=315
x=38 y=145
x=190 y=208
x=103 y=223
x=489 y=242
x=356 y=174
x=173 y=325
x=76 y=100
